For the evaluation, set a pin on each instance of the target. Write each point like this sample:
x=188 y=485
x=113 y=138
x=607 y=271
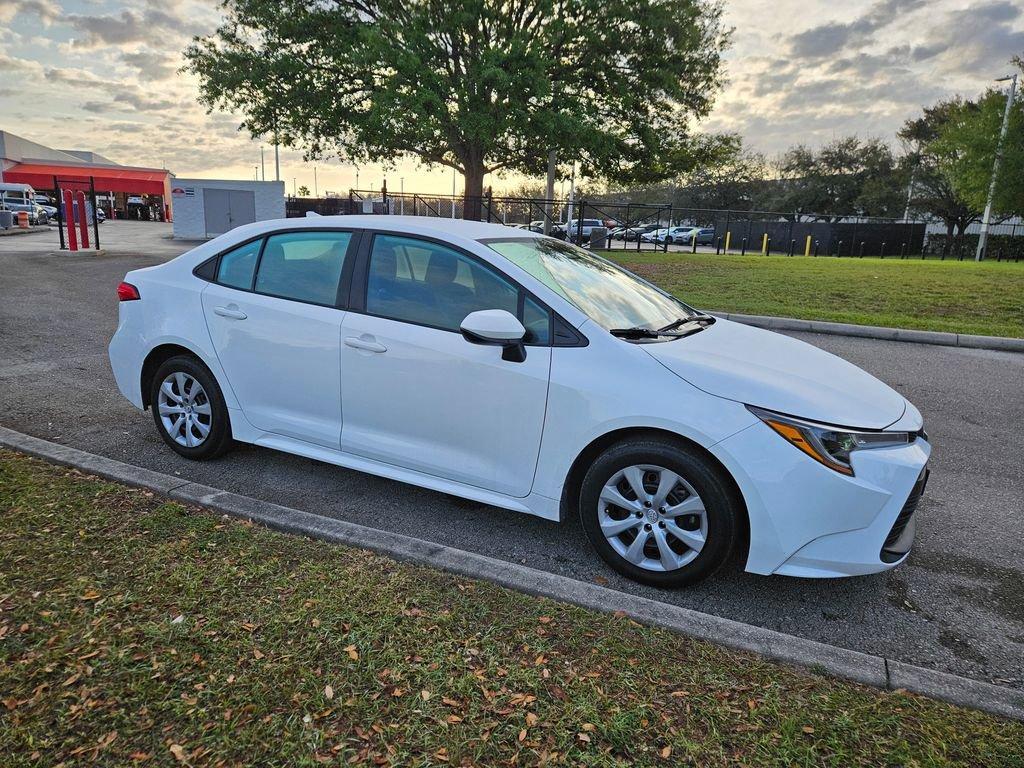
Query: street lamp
x=983 y=235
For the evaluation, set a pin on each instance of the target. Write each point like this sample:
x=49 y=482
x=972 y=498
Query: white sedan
x=521 y=371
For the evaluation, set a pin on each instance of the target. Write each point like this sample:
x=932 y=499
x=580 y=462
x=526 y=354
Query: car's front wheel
x=659 y=512
x=189 y=410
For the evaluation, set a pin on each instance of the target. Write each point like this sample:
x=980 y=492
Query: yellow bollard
x=728 y=239
x=807 y=248
x=764 y=244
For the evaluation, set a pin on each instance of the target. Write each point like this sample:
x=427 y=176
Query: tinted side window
x=426 y=283
x=236 y=266
x=305 y=266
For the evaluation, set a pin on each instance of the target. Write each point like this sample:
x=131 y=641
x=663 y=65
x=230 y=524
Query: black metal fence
x=648 y=226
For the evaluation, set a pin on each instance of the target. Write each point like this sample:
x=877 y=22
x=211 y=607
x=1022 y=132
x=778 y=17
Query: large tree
x=966 y=144
x=478 y=86
x=932 y=191
x=846 y=176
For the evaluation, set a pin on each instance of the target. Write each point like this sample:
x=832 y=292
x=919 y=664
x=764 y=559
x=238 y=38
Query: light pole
x=983 y=235
x=256 y=172
x=263 y=163
x=401 y=191
x=316 y=192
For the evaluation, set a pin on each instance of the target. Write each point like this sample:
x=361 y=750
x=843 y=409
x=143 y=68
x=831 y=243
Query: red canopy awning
x=142 y=181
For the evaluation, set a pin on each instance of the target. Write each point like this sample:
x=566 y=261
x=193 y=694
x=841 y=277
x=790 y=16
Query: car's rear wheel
x=189 y=410
x=659 y=512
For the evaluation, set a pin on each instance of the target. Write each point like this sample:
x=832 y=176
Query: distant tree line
x=939 y=168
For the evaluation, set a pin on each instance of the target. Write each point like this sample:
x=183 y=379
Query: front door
x=418 y=395
x=274 y=323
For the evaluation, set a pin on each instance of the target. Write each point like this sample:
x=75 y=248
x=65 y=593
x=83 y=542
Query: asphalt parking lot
x=957 y=605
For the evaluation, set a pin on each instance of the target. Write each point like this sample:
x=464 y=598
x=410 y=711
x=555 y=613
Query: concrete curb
x=1001 y=343
x=818 y=657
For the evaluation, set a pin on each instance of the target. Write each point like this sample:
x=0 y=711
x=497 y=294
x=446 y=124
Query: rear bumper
x=127 y=351
x=809 y=521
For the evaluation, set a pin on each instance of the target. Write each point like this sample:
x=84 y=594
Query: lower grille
x=888 y=554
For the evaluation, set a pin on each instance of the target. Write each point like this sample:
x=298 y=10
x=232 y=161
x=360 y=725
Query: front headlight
x=826 y=444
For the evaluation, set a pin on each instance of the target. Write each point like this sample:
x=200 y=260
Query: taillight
x=127 y=292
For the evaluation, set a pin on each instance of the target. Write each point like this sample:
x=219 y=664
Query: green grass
x=955 y=296
x=134 y=631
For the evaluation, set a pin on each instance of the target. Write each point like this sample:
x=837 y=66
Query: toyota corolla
x=521 y=371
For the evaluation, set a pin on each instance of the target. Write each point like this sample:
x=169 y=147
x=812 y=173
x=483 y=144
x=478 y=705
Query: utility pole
x=549 y=190
x=401 y=191
x=453 y=193
x=256 y=172
x=983 y=236
x=263 y=163
x=910 y=193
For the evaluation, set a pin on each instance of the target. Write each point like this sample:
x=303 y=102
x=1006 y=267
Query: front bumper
x=810 y=521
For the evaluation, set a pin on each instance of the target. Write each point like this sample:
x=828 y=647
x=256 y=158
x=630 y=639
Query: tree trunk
x=472 y=208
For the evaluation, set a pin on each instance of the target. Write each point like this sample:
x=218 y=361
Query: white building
x=205 y=208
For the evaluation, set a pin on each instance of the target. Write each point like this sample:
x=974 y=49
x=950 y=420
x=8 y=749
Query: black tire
x=721 y=502
x=219 y=440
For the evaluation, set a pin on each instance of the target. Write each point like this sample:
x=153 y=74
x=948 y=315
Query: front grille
x=903 y=519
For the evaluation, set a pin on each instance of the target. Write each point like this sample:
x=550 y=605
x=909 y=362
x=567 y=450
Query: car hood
x=759 y=367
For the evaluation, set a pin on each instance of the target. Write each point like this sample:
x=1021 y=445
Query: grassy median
x=955 y=296
x=134 y=631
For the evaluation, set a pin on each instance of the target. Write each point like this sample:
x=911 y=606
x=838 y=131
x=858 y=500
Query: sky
x=103 y=76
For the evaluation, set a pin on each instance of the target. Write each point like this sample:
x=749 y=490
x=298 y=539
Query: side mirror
x=496 y=327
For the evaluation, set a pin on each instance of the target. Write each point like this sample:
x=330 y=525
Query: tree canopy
x=966 y=146
x=481 y=86
x=846 y=176
x=932 y=192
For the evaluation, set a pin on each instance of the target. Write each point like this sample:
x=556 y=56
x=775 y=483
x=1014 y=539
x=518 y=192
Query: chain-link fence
x=623 y=225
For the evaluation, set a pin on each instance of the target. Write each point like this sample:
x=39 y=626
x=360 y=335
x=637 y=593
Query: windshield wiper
x=639 y=332
x=698 y=317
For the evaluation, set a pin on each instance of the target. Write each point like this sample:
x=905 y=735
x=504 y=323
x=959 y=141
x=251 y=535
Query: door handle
x=369 y=346
x=234 y=314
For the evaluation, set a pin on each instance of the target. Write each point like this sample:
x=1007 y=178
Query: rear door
x=416 y=393
x=275 y=321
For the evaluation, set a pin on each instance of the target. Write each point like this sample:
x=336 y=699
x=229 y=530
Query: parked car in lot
x=653 y=235
x=633 y=233
x=704 y=235
x=523 y=372
x=673 y=235
x=555 y=230
x=579 y=232
x=36 y=213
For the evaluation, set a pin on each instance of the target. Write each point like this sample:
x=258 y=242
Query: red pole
x=83 y=218
x=69 y=217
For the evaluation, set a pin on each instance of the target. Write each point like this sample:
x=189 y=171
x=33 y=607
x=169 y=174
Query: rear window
x=237 y=266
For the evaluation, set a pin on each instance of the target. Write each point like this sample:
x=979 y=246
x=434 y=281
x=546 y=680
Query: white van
x=22 y=198
x=22 y=194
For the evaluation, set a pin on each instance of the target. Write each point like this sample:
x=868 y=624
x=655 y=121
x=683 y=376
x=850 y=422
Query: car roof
x=424 y=225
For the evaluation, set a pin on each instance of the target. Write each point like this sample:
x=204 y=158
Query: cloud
x=832 y=38
x=151 y=25
x=152 y=65
x=45 y=10
x=983 y=39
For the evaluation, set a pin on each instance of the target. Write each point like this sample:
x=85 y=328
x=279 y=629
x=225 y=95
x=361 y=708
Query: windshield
x=608 y=294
